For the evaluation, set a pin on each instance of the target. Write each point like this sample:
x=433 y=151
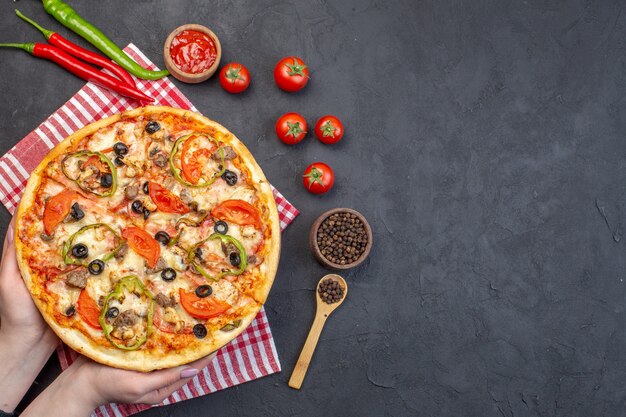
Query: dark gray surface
x=479 y=136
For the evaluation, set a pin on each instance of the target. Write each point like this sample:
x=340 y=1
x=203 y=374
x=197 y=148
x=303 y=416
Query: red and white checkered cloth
x=250 y=356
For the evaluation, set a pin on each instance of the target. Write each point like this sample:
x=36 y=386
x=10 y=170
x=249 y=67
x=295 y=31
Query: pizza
x=148 y=239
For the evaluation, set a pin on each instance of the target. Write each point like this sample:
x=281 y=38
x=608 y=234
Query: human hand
x=86 y=385
x=20 y=320
x=26 y=341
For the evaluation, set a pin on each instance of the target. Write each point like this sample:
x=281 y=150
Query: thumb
x=9 y=261
x=156 y=380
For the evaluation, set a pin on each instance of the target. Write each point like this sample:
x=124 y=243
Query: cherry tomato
x=202 y=308
x=234 y=78
x=88 y=309
x=318 y=178
x=329 y=129
x=166 y=201
x=291 y=74
x=291 y=128
x=143 y=244
x=57 y=208
x=191 y=163
x=239 y=212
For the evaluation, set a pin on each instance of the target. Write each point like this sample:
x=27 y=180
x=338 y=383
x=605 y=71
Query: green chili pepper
x=67 y=246
x=73 y=21
x=177 y=172
x=131 y=284
x=104 y=160
x=225 y=239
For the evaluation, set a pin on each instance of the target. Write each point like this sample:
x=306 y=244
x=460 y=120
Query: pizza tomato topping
x=88 y=309
x=57 y=208
x=165 y=200
x=143 y=244
x=202 y=308
x=237 y=211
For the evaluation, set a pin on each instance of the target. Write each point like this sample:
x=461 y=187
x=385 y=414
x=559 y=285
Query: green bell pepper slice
x=131 y=284
x=225 y=239
x=177 y=172
x=103 y=159
x=67 y=246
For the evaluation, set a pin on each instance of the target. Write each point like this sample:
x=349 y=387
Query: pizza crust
x=142 y=360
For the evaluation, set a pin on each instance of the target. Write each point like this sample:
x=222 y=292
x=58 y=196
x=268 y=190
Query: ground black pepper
x=342 y=238
x=330 y=291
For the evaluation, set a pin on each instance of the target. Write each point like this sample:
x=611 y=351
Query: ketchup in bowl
x=193 y=51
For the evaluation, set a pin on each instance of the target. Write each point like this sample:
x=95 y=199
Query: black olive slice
x=230 y=177
x=106 y=180
x=80 y=251
x=120 y=149
x=168 y=274
x=71 y=310
x=76 y=212
x=221 y=227
x=199 y=330
x=162 y=237
x=119 y=161
x=152 y=127
x=112 y=312
x=96 y=267
x=137 y=207
x=204 y=291
x=235 y=259
x=145 y=188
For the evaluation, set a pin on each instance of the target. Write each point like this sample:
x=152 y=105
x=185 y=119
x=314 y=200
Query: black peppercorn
x=342 y=238
x=330 y=291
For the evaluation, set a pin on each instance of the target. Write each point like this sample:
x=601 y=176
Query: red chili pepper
x=78 y=51
x=79 y=68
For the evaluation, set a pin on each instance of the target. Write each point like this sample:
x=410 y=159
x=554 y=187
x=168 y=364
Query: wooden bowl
x=316 y=249
x=185 y=76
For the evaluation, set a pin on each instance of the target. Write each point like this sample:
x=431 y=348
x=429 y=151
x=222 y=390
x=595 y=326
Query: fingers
x=185 y=373
x=9 y=262
x=8 y=238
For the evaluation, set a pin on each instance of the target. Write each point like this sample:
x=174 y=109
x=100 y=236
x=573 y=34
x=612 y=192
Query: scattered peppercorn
x=342 y=238
x=330 y=291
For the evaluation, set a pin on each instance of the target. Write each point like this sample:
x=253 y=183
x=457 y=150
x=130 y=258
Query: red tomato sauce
x=193 y=51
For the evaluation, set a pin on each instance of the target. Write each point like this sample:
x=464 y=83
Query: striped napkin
x=250 y=356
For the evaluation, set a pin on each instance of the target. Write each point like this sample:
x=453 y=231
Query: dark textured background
x=484 y=139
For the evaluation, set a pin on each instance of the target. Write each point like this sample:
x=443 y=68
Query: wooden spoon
x=323 y=311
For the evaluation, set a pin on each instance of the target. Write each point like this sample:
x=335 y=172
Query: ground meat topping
x=77 y=278
x=229 y=153
x=127 y=318
x=131 y=192
x=164 y=301
x=185 y=196
x=122 y=252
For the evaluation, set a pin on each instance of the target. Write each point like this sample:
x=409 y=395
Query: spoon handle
x=307 y=351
